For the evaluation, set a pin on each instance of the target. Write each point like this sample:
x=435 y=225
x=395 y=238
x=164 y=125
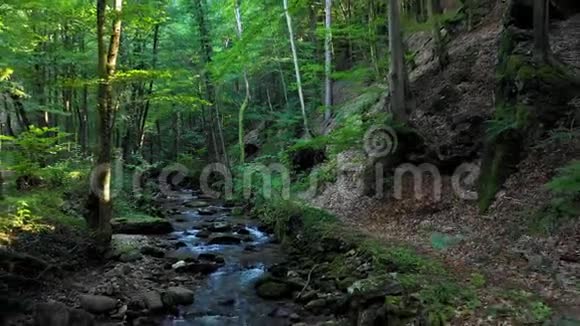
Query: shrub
x=566 y=188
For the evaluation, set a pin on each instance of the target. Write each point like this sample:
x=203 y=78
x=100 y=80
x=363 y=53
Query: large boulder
x=97 y=304
x=220 y=227
x=204 y=267
x=177 y=296
x=374 y=289
x=273 y=289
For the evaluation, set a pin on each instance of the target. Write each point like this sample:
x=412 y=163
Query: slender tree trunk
x=99 y=218
x=296 y=68
x=328 y=62
x=373 y=38
x=398 y=78
x=246 y=102
x=439 y=48
x=150 y=90
x=283 y=82
x=21 y=112
x=206 y=55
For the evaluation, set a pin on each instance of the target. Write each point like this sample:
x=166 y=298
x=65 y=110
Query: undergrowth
x=441 y=294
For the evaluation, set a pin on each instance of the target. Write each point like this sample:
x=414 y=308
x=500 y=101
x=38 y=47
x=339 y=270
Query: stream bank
x=220 y=268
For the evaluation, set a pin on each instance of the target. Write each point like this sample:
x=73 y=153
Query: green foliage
x=507 y=118
x=525 y=307
x=565 y=204
x=35 y=212
x=39 y=154
x=477 y=280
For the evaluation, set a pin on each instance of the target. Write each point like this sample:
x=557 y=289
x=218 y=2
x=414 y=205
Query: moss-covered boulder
x=271 y=288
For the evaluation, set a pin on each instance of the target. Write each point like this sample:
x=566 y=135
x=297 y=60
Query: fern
x=566 y=188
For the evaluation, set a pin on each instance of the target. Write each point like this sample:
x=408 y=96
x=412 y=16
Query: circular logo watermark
x=380 y=141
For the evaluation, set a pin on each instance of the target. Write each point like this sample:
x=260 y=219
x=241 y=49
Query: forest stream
x=228 y=296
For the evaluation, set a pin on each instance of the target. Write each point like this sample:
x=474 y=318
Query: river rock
x=57 y=314
x=153 y=300
x=316 y=306
x=97 y=304
x=177 y=296
x=198 y=267
x=152 y=251
x=130 y=256
x=373 y=315
x=220 y=227
x=197 y=204
x=272 y=289
x=179 y=244
x=374 y=288
x=120 y=313
x=206 y=211
x=225 y=239
x=241 y=229
x=211 y=257
x=203 y=234
x=250 y=248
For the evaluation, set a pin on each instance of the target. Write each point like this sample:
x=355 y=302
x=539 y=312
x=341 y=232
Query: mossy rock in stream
x=273 y=289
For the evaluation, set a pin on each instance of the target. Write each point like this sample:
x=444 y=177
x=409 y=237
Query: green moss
x=550 y=73
x=137 y=217
x=526 y=73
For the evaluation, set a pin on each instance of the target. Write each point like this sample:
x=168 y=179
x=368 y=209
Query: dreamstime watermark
x=218 y=181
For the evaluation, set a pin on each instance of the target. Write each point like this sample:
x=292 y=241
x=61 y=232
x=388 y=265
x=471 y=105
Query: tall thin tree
x=328 y=62
x=399 y=86
x=240 y=30
x=99 y=217
x=541 y=29
x=296 y=67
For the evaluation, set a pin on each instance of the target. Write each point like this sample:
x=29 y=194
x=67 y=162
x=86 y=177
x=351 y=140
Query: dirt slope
x=452 y=107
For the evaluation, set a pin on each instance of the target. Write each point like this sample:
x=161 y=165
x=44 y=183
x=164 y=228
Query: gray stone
x=203 y=234
x=51 y=314
x=152 y=251
x=220 y=227
x=130 y=257
x=271 y=289
x=204 y=268
x=316 y=305
x=177 y=296
x=97 y=304
x=375 y=287
x=225 y=239
x=153 y=300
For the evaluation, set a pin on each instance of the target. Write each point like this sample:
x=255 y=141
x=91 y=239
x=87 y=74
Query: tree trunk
x=328 y=62
x=143 y=120
x=439 y=48
x=206 y=56
x=246 y=102
x=100 y=201
x=541 y=27
x=296 y=68
x=398 y=78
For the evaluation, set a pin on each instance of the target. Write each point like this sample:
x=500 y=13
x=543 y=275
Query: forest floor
x=509 y=244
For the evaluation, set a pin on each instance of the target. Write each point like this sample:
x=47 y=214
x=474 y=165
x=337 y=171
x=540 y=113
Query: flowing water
x=227 y=296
